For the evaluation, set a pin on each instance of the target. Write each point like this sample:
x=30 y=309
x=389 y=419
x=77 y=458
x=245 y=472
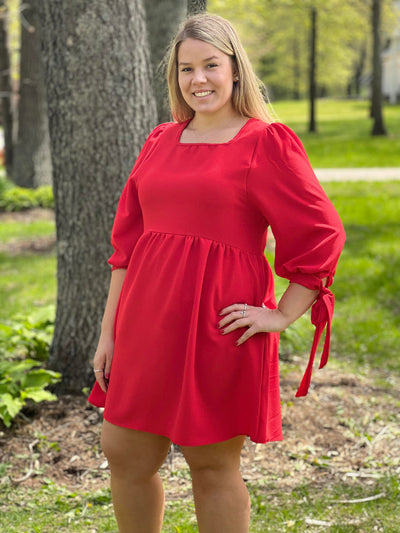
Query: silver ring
x=244 y=310
x=99 y=370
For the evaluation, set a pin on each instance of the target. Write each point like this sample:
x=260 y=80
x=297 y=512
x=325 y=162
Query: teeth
x=203 y=93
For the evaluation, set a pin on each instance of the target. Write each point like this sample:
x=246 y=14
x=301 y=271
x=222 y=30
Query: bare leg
x=221 y=498
x=137 y=492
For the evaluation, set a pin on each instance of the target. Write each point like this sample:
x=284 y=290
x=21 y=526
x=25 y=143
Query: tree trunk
x=196 y=6
x=312 y=127
x=5 y=91
x=101 y=108
x=378 y=127
x=32 y=159
x=163 y=18
x=296 y=69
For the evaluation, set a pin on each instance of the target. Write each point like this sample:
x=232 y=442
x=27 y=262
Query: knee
x=131 y=455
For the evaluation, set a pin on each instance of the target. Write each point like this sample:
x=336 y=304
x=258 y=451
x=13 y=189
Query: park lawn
x=343 y=138
x=11 y=230
x=54 y=508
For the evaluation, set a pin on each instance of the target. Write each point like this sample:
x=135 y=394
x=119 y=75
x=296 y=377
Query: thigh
x=218 y=456
x=133 y=450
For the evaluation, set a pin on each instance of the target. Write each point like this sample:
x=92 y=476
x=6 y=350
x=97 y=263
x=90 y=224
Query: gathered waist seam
x=203 y=237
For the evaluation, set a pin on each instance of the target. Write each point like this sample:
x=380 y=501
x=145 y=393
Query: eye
x=212 y=65
x=186 y=69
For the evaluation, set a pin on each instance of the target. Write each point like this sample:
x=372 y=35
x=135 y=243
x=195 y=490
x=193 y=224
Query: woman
x=188 y=350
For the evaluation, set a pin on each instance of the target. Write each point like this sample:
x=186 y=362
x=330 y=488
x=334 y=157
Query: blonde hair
x=248 y=96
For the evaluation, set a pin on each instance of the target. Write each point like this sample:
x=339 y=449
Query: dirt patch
x=27 y=216
x=34 y=244
x=346 y=429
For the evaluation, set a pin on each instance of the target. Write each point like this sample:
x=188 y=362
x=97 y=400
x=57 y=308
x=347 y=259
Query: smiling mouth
x=203 y=93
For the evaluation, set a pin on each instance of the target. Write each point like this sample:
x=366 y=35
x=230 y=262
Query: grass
x=27 y=281
x=53 y=508
x=343 y=138
x=10 y=230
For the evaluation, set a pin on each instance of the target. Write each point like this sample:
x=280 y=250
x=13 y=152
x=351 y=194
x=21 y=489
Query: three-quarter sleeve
x=308 y=232
x=128 y=222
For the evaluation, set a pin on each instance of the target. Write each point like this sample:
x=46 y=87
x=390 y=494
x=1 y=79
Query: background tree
x=32 y=159
x=101 y=108
x=196 y=6
x=312 y=92
x=378 y=127
x=163 y=18
x=5 y=90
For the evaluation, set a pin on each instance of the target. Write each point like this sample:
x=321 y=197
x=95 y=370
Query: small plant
x=21 y=381
x=28 y=336
x=19 y=198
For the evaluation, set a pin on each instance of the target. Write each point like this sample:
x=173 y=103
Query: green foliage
x=276 y=37
x=19 y=198
x=21 y=381
x=28 y=336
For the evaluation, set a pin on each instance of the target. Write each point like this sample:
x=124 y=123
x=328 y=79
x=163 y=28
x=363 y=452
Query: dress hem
x=206 y=442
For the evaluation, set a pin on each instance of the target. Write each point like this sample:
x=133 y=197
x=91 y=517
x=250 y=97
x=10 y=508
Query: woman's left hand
x=256 y=319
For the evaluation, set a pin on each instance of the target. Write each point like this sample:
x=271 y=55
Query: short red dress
x=191 y=229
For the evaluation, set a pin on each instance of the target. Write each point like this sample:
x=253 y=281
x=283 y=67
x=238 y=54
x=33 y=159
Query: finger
x=231 y=308
x=239 y=323
x=235 y=315
x=246 y=335
x=101 y=381
x=107 y=368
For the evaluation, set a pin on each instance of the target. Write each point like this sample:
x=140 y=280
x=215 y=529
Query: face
x=205 y=77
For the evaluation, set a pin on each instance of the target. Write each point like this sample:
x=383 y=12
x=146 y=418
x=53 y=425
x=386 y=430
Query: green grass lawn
x=343 y=138
x=10 y=230
x=54 y=508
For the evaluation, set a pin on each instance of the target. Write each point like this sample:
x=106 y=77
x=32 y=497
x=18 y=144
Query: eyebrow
x=204 y=60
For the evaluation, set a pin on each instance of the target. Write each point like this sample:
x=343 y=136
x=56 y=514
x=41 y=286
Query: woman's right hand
x=102 y=360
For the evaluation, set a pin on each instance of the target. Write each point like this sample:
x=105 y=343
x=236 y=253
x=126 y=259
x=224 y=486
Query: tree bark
x=163 y=18
x=5 y=91
x=32 y=159
x=101 y=108
x=196 y=6
x=312 y=126
x=378 y=127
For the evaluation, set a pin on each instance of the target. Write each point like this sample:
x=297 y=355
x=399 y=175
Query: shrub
x=24 y=345
x=28 y=336
x=18 y=198
x=44 y=196
x=21 y=381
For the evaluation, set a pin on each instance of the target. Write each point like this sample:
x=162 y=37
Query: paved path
x=358 y=174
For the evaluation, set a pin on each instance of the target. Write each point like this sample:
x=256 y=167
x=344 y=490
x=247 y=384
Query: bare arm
x=105 y=348
x=294 y=302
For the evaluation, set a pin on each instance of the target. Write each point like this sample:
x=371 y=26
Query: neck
x=205 y=122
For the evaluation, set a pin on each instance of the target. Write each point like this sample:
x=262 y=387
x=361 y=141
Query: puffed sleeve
x=308 y=232
x=128 y=222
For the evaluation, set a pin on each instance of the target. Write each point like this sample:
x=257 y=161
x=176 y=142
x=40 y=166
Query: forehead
x=195 y=50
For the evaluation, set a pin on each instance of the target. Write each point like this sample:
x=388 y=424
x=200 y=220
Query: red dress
x=191 y=229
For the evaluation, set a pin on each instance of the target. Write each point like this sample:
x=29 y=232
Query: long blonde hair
x=248 y=96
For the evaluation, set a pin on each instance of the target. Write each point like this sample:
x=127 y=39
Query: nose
x=199 y=76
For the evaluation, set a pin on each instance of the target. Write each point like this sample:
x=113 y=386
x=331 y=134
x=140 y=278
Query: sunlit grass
x=54 y=508
x=343 y=138
x=10 y=230
x=27 y=281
